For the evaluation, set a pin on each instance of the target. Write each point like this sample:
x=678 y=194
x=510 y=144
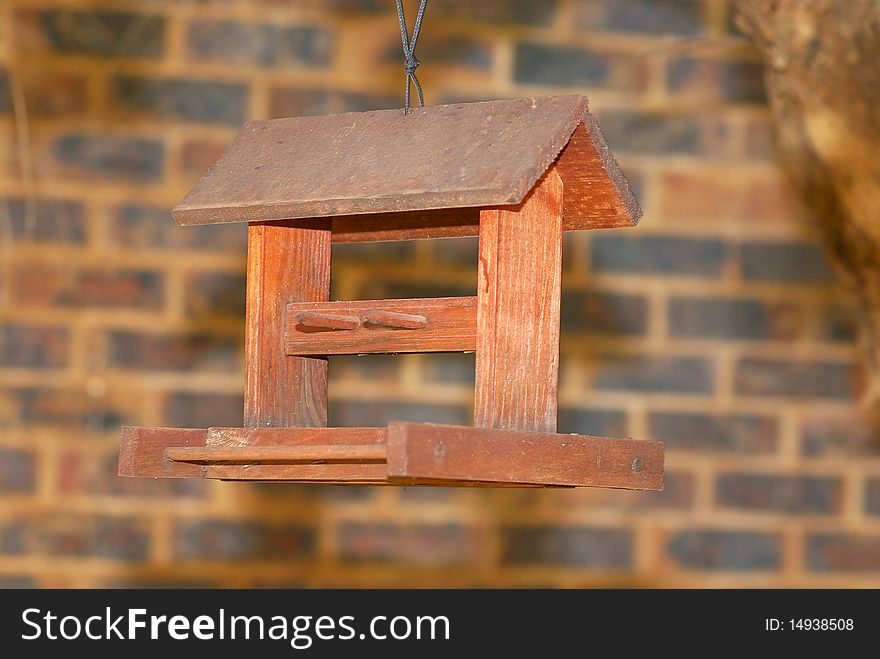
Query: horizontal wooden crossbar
x=386 y=326
x=316 y=453
x=401 y=454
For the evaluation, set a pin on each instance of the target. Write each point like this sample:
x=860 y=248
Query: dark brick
x=393 y=251
x=721 y=318
x=74 y=535
x=178 y=98
x=446 y=50
x=229 y=42
x=456 y=252
x=175 y=352
x=838 y=552
x=449 y=368
x=787 y=263
x=110 y=156
x=724 y=550
x=684 y=17
x=521 y=12
x=379 y=413
x=539 y=64
x=136 y=226
x=372 y=368
x=614 y=252
x=17 y=471
x=591 y=548
x=872 y=496
x=216 y=294
x=33 y=346
x=47 y=220
x=422 y=544
x=711 y=80
x=838 y=323
x=158 y=582
x=655 y=133
x=848 y=437
x=587 y=421
x=371 y=287
x=793 y=495
x=38 y=284
x=718 y=434
x=66 y=408
x=98 y=33
x=237 y=541
x=5 y=96
x=619 y=372
x=604 y=313
x=791 y=379
x=299 y=102
x=17 y=582
x=81 y=473
x=185 y=409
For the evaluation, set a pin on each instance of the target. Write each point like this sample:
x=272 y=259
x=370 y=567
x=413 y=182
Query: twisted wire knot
x=410 y=63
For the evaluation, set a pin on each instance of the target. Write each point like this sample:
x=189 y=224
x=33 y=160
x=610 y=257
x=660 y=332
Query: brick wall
x=715 y=326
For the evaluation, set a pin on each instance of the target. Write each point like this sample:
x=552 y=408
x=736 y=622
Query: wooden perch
x=823 y=80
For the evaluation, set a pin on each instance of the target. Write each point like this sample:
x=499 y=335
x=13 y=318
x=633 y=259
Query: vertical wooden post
x=287 y=262
x=518 y=289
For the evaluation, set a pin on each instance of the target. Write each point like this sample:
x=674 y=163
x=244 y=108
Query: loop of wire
x=409 y=57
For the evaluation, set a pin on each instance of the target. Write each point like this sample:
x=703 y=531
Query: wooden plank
x=297 y=437
x=519 y=277
x=285 y=454
x=142 y=452
x=459 y=453
x=285 y=264
x=597 y=195
x=465 y=155
x=452 y=324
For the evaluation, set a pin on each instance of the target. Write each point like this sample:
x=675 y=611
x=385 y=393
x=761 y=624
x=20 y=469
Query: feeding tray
x=517 y=174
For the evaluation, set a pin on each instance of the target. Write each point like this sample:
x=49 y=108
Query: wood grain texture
x=142 y=452
x=451 y=326
x=318 y=453
x=519 y=278
x=458 y=453
x=460 y=156
x=417 y=454
x=285 y=264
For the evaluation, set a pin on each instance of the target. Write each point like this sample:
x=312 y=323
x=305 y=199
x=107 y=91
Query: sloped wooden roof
x=438 y=158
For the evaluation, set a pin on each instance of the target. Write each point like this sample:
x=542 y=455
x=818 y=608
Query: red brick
x=196 y=156
x=708 y=197
x=47 y=285
x=222 y=540
x=422 y=544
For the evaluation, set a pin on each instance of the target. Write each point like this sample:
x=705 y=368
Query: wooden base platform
x=401 y=454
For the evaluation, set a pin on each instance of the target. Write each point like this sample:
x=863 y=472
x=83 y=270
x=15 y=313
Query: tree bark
x=823 y=78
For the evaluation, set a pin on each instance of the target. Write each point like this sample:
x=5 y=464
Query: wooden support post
x=287 y=262
x=518 y=289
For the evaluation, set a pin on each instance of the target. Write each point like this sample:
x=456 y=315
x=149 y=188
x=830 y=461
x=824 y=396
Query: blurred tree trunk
x=823 y=78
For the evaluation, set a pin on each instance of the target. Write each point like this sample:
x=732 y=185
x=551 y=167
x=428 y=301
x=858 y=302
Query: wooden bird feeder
x=517 y=174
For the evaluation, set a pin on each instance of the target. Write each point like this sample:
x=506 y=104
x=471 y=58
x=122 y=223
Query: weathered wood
x=256 y=454
x=451 y=326
x=519 y=277
x=326 y=320
x=439 y=157
x=426 y=451
x=285 y=264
